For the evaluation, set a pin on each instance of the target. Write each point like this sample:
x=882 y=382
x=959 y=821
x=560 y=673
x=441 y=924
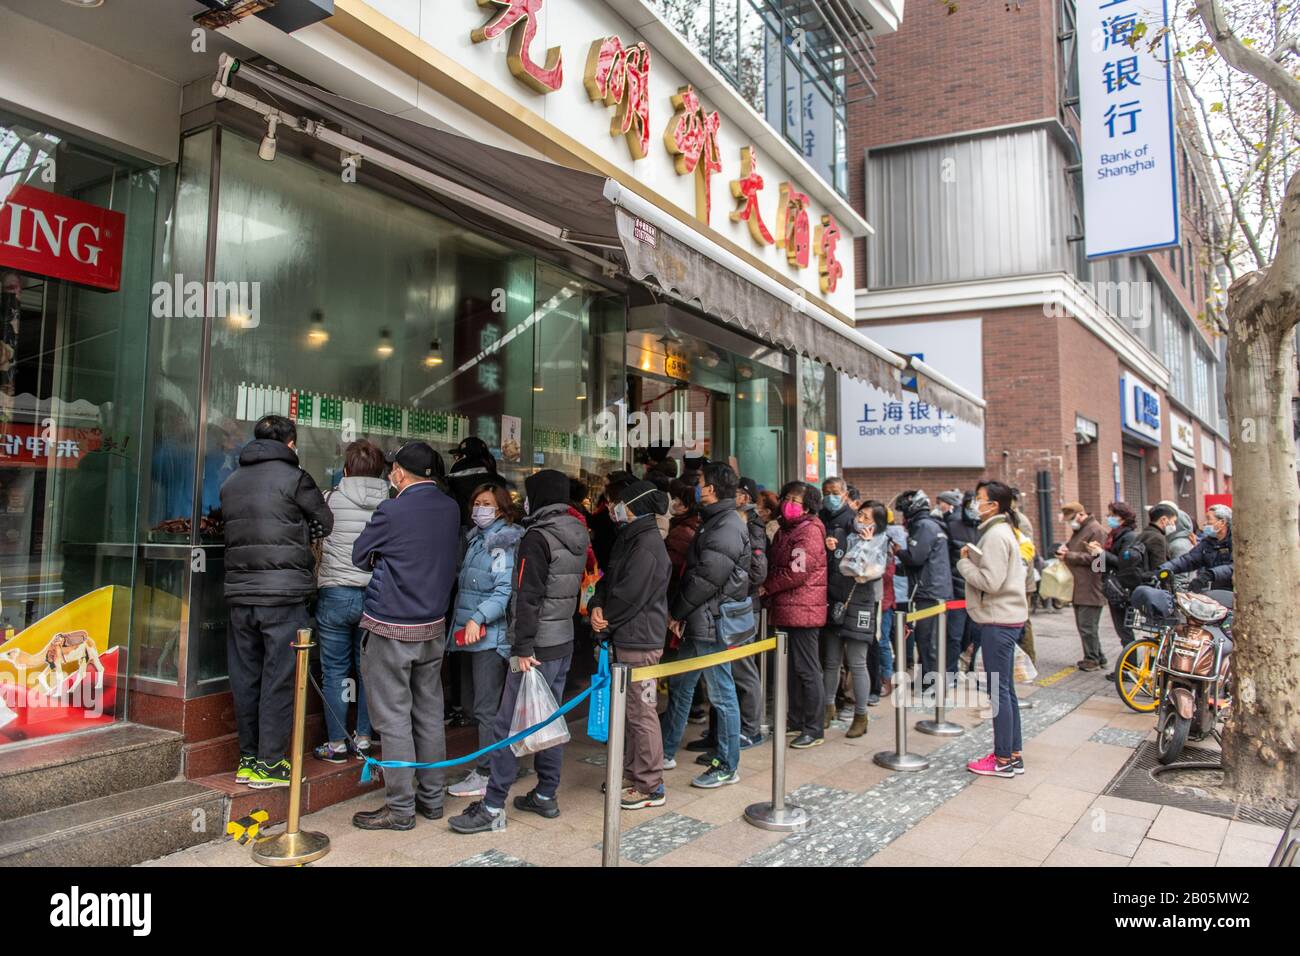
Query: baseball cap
x=416 y=457
x=750 y=487
x=951 y=497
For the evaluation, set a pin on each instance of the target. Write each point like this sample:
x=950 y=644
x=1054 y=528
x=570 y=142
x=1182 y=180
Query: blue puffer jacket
x=483 y=591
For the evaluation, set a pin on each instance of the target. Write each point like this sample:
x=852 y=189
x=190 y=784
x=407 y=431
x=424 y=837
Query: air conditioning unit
x=286 y=15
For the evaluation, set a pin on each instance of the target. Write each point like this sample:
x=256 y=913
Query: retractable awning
x=1184 y=459
x=594 y=216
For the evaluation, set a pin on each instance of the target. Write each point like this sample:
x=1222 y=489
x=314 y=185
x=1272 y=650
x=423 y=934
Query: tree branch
x=1265 y=69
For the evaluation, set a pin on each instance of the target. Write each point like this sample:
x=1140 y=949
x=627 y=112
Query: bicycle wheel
x=1135 y=676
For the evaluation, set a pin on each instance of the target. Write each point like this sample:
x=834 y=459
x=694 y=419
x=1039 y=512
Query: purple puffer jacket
x=796 y=577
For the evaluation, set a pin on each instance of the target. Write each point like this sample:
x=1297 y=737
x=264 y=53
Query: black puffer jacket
x=633 y=594
x=838 y=526
x=1211 y=555
x=926 y=559
x=271 y=509
x=961 y=532
x=716 y=570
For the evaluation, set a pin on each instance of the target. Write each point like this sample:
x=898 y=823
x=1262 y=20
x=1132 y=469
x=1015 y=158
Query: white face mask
x=483 y=515
x=1076 y=524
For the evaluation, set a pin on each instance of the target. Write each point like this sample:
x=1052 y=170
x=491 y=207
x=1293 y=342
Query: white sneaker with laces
x=475 y=785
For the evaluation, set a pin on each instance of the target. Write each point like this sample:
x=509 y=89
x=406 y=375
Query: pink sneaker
x=990 y=767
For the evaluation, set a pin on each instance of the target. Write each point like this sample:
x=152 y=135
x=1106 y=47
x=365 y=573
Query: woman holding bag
x=858 y=616
x=996 y=601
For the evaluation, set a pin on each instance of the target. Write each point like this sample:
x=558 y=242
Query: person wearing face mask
x=410 y=547
x=1111 y=558
x=926 y=558
x=683 y=522
x=838 y=519
x=478 y=638
x=1179 y=540
x=749 y=690
x=1087 y=598
x=630 y=610
x=1210 y=563
x=272 y=510
x=962 y=525
x=342 y=593
x=795 y=595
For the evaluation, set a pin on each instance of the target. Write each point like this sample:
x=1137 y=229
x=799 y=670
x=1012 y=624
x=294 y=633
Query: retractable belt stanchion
x=940 y=727
x=618 y=682
x=899 y=758
x=778 y=815
x=294 y=846
x=764 y=726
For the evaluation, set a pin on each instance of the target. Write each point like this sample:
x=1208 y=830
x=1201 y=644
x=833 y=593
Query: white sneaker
x=475 y=785
x=670 y=763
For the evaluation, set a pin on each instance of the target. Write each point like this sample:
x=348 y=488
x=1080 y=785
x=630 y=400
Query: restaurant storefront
x=374 y=277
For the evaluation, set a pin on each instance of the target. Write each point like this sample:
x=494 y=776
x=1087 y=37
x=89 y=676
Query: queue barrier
x=774 y=815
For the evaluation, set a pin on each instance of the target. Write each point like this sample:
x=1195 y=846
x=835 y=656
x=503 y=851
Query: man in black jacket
x=716 y=573
x=837 y=515
x=963 y=527
x=749 y=692
x=549 y=563
x=630 y=607
x=272 y=510
x=928 y=570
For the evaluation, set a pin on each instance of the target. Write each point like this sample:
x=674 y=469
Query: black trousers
x=261 y=664
x=805 y=682
x=926 y=630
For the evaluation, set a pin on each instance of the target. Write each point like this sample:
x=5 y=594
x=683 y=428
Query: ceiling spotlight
x=434 y=357
x=582 y=392
x=385 y=346
x=84 y=4
x=267 y=150
x=537 y=380
x=317 y=333
x=710 y=359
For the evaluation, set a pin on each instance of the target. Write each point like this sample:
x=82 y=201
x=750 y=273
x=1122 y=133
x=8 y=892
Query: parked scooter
x=1193 y=670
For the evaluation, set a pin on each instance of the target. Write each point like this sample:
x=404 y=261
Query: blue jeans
x=722 y=695
x=338 y=610
x=999 y=647
x=887 y=645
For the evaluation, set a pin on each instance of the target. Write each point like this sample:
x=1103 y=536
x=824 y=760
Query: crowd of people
x=422 y=578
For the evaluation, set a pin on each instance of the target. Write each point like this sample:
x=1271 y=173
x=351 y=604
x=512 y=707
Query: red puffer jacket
x=796 y=577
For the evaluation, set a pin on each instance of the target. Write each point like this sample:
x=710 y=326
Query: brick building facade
x=967 y=228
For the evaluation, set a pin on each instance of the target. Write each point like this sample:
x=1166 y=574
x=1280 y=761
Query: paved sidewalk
x=1078 y=735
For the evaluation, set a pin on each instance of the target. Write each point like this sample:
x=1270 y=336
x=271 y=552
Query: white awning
x=1184 y=459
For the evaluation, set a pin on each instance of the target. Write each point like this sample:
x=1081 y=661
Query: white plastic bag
x=1025 y=671
x=1057 y=583
x=533 y=705
x=865 y=558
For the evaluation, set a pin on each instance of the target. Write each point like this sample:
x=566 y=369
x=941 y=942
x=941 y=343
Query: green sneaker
x=247 y=769
x=266 y=775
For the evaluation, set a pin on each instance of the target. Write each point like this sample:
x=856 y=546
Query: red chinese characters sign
x=692 y=138
x=519 y=19
x=829 y=268
x=619 y=76
x=746 y=190
x=61 y=238
x=792 y=232
x=28 y=445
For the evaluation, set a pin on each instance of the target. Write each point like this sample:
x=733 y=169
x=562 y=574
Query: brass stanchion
x=294 y=846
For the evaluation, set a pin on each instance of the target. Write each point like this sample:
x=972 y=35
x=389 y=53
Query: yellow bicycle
x=1135 y=676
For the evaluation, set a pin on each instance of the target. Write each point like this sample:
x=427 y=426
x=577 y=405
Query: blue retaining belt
x=597 y=683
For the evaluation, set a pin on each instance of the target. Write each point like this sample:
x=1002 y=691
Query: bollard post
x=777 y=814
x=294 y=847
x=899 y=758
x=941 y=726
x=764 y=726
x=619 y=675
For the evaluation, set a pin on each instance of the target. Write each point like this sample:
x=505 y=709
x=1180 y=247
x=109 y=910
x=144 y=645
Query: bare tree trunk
x=1261 y=744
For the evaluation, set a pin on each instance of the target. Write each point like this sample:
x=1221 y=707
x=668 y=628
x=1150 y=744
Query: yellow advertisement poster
x=810 y=464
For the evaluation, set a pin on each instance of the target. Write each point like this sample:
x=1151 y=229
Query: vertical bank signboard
x=1126 y=109
x=879 y=430
x=1140 y=408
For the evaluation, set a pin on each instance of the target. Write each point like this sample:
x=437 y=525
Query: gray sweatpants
x=403 y=682
x=835 y=650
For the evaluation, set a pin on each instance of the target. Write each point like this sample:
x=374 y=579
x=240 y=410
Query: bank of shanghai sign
x=881 y=430
x=1130 y=183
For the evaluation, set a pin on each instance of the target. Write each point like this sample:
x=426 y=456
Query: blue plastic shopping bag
x=598 y=709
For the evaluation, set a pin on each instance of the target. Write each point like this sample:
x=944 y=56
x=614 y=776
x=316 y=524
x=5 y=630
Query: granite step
x=120 y=829
x=61 y=771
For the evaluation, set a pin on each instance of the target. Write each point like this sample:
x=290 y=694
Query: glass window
x=752 y=64
x=726 y=40
x=72 y=372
